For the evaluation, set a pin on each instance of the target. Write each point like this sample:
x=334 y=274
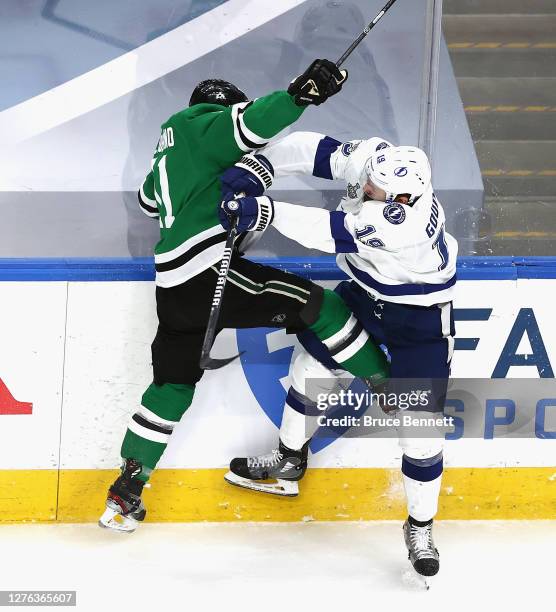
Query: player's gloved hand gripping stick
x=323 y=79
x=320 y=81
x=249 y=177
x=242 y=214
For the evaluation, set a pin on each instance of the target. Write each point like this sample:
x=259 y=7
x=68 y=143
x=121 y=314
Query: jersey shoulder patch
x=394 y=213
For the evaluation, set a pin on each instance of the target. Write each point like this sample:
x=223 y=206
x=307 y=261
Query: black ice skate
x=422 y=553
x=283 y=466
x=124 y=507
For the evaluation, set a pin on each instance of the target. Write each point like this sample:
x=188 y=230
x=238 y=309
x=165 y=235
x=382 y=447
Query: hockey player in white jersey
x=390 y=237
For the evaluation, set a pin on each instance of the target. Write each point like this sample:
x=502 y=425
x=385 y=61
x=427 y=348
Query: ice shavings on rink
x=292 y=566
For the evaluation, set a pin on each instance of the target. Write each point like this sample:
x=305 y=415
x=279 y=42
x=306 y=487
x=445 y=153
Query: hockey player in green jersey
x=220 y=128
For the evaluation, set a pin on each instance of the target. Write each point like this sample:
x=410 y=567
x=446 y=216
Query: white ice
x=286 y=567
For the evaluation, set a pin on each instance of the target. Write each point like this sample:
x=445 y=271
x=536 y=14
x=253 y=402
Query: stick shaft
x=364 y=33
x=218 y=296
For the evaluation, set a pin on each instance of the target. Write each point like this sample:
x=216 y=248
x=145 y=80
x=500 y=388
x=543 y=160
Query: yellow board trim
x=348 y=494
x=28 y=495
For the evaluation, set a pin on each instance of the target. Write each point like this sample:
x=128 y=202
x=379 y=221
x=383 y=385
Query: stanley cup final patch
x=353 y=190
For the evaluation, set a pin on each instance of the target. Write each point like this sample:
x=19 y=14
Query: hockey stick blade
x=210 y=363
x=207 y=362
x=364 y=33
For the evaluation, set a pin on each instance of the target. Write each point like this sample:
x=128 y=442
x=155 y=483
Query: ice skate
x=276 y=473
x=124 y=507
x=421 y=550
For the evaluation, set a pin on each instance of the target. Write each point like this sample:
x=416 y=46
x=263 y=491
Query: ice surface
x=254 y=566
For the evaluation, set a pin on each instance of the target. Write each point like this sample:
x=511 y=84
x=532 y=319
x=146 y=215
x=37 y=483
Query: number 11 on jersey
x=162 y=193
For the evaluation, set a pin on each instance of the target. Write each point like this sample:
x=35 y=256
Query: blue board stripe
x=315 y=268
x=472 y=314
x=466 y=344
x=78 y=269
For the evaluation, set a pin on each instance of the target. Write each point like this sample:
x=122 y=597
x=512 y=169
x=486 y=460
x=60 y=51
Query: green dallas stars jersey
x=183 y=189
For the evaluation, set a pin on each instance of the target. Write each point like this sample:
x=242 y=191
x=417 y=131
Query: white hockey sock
x=297 y=427
x=310 y=379
x=422 y=479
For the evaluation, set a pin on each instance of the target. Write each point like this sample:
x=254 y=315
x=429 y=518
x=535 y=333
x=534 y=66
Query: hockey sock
x=310 y=381
x=421 y=479
x=348 y=343
x=299 y=420
x=417 y=523
x=150 y=428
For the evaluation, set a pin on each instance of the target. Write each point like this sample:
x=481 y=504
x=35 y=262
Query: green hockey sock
x=349 y=344
x=150 y=428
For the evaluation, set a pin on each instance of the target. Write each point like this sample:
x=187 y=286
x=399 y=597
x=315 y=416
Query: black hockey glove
x=318 y=83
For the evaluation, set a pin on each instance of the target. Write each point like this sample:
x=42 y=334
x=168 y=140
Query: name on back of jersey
x=433 y=221
x=166 y=140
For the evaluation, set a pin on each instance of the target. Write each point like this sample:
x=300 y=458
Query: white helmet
x=400 y=170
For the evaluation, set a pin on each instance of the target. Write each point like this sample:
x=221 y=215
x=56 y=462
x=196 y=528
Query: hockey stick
x=364 y=33
x=207 y=362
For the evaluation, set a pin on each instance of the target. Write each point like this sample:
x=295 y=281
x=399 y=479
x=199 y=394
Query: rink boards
x=76 y=359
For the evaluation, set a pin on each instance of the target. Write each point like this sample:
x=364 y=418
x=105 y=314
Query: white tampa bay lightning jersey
x=397 y=252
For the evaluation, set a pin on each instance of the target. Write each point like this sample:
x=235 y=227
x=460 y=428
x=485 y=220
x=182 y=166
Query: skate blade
x=111 y=519
x=285 y=488
x=413 y=579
